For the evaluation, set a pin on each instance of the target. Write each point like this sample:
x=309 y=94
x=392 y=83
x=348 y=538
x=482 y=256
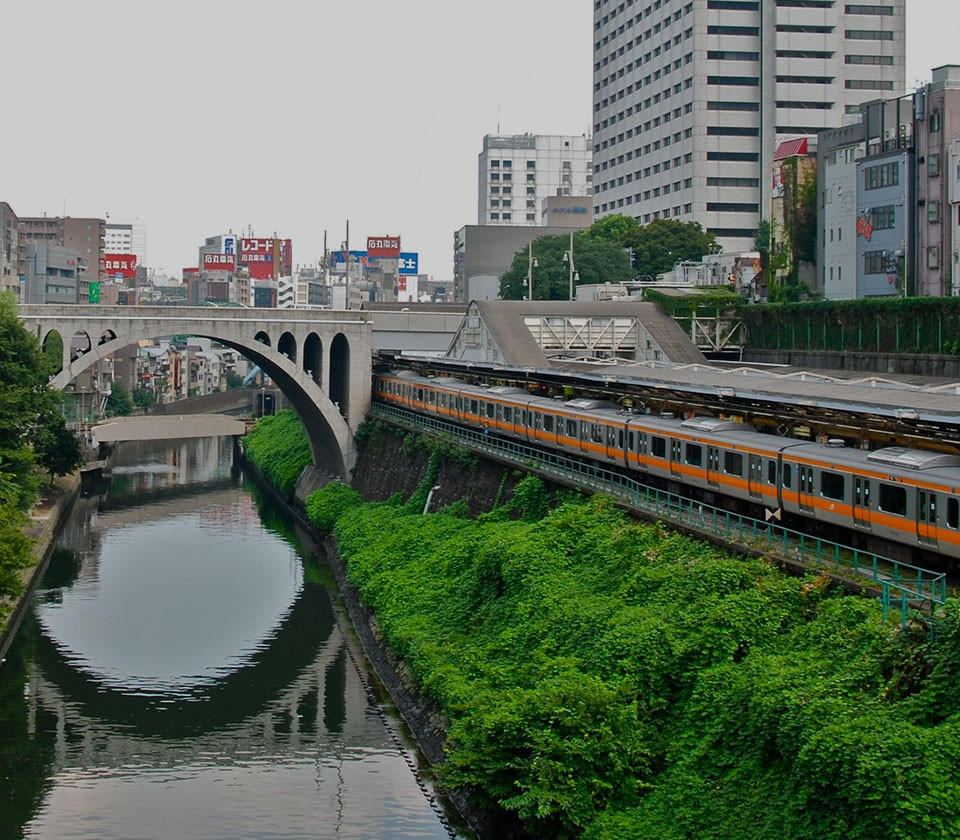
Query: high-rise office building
x=692 y=97
x=517 y=173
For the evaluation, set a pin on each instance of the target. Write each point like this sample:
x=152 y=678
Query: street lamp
x=568 y=260
x=531 y=265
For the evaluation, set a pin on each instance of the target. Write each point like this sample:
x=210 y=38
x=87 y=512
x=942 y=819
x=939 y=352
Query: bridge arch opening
x=107 y=335
x=313 y=357
x=262 y=337
x=340 y=373
x=287 y=345
x=80 y=344
x=52 y=346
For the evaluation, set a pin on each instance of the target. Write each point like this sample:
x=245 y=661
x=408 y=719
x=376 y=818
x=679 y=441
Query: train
x=894 y=501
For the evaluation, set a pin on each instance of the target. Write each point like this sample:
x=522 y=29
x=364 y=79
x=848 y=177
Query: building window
x=933 y=165
x=884 y=218
x=934 y=121
x=933 y=211
x=933 y=256
x=874 y=262
x=882 y=175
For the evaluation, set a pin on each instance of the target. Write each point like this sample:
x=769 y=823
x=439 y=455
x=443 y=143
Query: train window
x=694 y=455
x=474 y=407
x=658 y=447
x=508 y=413
x=491 y=410
x=787 y=475
x=596 y=433
x=893 y=499
x=733 y=463
x=419 y=394
x=571 y=428
x=642 y=444
x=953 y=513
x=771 y=472
x=831 y=485
x=632 y=440
x=548 y=423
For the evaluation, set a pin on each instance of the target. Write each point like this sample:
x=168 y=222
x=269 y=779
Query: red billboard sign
x=266 y=258
x=383 y=246
x=123 y=264
x=219 y=262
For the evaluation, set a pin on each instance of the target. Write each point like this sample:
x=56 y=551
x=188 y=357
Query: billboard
x=383 y=246
x=219 y=262
x=266 y=258
x=408 y=263
x=124 y=265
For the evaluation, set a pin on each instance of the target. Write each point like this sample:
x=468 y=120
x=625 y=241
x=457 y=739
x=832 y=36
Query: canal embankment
x=392 y=463
x=44 y=523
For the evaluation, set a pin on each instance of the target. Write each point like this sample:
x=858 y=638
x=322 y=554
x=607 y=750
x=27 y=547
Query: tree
x=595 y=261
x=144 y=397
x=660 y=245
x=32 y=429
x=616 y=229
x=119 y=403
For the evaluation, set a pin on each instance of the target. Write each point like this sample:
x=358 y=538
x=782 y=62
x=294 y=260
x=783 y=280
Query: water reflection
x=183 y=675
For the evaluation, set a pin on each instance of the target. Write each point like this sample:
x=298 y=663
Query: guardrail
x=903 y=587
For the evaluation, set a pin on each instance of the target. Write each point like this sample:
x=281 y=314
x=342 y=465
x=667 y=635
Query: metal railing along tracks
x=902 y=587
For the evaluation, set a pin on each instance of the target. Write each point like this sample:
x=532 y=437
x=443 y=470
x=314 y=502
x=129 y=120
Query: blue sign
x=409 y=263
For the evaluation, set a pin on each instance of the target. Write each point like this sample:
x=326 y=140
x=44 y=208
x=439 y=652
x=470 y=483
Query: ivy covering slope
x=279 y=449
x=608 y=679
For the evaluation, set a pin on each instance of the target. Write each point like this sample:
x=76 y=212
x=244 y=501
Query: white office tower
x=126 y=237
x=518 y=172
x=691 y=99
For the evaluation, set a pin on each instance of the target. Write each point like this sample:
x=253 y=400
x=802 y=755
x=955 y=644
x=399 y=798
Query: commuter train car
x=882 y=499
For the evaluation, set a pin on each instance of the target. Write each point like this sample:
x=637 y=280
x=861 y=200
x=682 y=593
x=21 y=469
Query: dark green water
x=182 y=675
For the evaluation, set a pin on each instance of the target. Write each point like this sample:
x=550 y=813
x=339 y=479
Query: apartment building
x=518 y=173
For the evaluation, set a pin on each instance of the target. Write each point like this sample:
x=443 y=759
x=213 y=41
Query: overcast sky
x=292 y=117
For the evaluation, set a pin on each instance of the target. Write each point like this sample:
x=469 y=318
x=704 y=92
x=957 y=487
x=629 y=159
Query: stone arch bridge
x=319 y=359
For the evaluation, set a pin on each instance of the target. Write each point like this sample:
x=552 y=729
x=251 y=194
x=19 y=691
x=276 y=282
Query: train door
x=927 y=518
x=805 y=488
x=676 y=457
x=713 y=466
x=614 y=438
x=755 y=476
x=861 y=502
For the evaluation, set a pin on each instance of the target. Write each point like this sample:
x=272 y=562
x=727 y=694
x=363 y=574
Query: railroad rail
x=865 y=411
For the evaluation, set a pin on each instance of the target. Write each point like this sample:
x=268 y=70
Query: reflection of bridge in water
x=272 y=705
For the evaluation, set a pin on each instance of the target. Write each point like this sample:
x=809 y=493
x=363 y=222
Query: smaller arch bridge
x=319 y=359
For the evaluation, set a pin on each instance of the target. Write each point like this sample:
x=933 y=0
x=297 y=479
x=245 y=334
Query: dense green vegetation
x=279 y=449
x=881 y=325
x=614 y=249
x=609 y=679
x=35 y=445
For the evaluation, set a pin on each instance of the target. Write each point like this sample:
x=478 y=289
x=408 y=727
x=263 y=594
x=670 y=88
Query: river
x=183 y=674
